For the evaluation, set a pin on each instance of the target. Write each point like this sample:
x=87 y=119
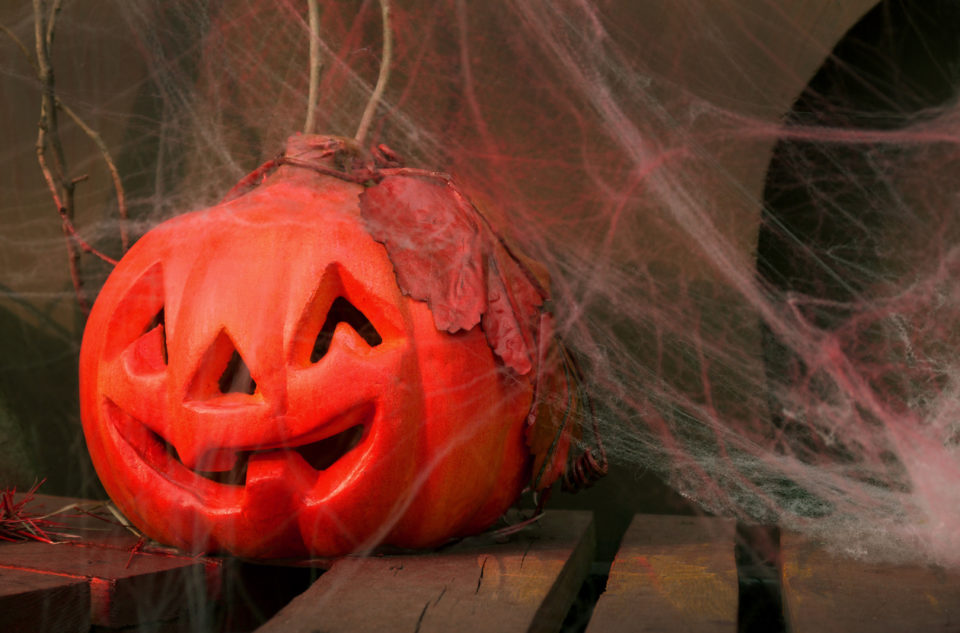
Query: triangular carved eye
x=221 y=371
x=138 y=321
x=340 y=299
x=148 y=352
x=159 y=325
x=342 y=311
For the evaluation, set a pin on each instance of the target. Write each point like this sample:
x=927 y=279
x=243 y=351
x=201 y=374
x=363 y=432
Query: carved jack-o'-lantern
x=253 y=379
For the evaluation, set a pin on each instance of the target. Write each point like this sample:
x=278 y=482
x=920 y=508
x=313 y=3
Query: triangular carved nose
x=221 y=371
x=236 y=377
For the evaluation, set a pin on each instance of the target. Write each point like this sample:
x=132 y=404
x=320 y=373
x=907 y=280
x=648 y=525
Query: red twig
x=136 y=549
x=16 y=524
x=69 y=229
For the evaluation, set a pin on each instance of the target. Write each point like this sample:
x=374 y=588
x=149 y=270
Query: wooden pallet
x=671 y=573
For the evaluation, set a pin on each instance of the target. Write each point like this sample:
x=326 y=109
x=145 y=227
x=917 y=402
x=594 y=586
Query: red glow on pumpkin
x=254 y=380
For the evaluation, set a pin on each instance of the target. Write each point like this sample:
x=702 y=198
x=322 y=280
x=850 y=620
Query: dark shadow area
x=829 y=217
x=851 y=214
x=760 y=607
x=578 y=618
x=38 y=391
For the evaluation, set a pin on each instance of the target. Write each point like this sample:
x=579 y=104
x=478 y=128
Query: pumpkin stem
x=384 y=75
x=314 y=13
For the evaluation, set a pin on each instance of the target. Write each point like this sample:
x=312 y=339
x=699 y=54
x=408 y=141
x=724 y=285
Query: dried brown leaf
x=445 y=253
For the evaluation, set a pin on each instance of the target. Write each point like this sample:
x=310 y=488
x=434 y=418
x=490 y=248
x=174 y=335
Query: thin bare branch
x=72 y=232
x=38 y=22
x=22 y=46
x=314 y=12
x=48 y=112
x=385 y=62
x=73 y=258
x=41 y=146
x=111 y=165
x=52 y=22
x=61 y=189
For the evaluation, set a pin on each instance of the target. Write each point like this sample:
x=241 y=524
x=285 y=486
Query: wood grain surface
x=825 y=592
x=525 y=584
x=672 y=573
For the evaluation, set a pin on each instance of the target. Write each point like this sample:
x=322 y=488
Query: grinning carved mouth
x=158 y=452
x=320 y=455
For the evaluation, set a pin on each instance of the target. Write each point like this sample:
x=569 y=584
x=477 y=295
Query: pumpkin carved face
x=254 y=380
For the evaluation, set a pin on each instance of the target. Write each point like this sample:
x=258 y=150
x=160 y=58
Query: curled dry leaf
x=446 y=254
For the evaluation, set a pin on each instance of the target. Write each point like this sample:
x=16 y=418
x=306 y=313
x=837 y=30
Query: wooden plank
x=153 y=588
x=153 y=585
x=525 y=584
x=825 y=592
x=40 y=603
x=671 y=573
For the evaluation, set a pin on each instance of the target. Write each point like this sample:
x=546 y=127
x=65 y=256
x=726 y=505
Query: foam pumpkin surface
x=254 y=378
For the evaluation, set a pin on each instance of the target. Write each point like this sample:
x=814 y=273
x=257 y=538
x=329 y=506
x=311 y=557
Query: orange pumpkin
x=254 y=380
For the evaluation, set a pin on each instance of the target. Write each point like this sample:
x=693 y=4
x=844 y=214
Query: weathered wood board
x=825 y=592
x=120 y=587
x=153 y=588
x=40 y=603
x=525 y=584
x=671 y=573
